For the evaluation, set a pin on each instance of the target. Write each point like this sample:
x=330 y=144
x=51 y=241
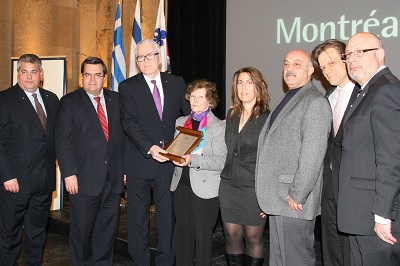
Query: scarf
x=203 y=118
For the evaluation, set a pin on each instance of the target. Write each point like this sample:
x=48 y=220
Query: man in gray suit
x=291 y=150
x=369 y=187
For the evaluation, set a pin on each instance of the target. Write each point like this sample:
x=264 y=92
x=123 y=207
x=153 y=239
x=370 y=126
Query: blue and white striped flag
x=136 y=37
x=118 y=65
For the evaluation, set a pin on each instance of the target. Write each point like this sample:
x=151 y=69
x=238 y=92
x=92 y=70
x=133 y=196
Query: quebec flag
x=160 y=37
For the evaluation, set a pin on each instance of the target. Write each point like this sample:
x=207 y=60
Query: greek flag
x=160 y=37
x=118 y=65
x=136 y=37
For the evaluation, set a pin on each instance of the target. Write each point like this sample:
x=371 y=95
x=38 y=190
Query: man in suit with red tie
x=89 y=144
x=341 y=94
x=150 y=103
x=27 y=163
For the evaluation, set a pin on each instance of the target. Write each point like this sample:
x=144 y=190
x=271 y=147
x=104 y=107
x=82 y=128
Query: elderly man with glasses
x=150 y=103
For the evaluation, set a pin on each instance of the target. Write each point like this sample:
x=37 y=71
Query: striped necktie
x=102 y=117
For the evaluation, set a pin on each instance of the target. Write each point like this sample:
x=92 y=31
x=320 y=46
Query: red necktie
x=102 y=117
x=40 y=112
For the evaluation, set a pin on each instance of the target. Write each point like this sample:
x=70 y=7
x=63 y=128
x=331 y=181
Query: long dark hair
x=261 y=90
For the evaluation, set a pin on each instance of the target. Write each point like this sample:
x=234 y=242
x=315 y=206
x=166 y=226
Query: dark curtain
x=196 y=42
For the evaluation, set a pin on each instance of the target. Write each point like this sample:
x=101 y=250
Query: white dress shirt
x=159 y=86
x=39 y=97
x=102 y=101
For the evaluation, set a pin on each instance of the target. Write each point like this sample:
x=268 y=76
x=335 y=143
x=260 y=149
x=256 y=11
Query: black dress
x=237 y=194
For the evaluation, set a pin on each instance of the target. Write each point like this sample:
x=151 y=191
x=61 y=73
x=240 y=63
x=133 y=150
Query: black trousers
x=195 y=222
x=93 y=227
x=139 y=216
x=335 y=244
x=30 y=211
x=372 y=251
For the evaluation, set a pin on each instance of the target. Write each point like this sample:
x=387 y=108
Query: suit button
x=105 y=162
x=162 y=126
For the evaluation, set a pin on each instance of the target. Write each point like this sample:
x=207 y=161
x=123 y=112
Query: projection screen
x=260 y=33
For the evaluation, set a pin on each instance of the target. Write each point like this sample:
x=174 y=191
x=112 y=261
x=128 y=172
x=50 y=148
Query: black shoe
x=234 y=259
x=250 y=261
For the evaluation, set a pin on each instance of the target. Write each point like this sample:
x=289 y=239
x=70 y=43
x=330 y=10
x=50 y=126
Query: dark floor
x=57 y=251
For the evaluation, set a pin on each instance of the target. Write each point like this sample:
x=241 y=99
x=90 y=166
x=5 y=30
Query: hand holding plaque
x=184 y=143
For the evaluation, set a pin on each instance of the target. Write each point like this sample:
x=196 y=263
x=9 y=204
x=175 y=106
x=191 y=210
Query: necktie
x=102 y=117
x=157 y=98
x=337 y=118
x=40 y=112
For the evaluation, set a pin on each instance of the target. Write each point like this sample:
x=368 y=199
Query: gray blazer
x=205 y=169
x=290 y=155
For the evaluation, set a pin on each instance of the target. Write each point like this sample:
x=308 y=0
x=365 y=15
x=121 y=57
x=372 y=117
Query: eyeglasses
x=357 y=53
x=141 y=58
x=95 y=75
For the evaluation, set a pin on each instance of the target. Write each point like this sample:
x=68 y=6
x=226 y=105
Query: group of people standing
x=338 y=156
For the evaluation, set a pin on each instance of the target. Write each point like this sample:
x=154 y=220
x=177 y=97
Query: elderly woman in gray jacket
x=196 y=181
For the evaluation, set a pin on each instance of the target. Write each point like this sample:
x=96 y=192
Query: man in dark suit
x=328 y=56
x=149 y=123
x=369 y=187
x=90 y=145
x=27 y=163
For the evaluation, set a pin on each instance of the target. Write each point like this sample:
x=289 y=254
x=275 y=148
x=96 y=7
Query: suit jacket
x=143 y=125
x=334 y=150
x=205 y=169
x=26 y=151
x=82 y=148
x=370 y=166
x=290 y=155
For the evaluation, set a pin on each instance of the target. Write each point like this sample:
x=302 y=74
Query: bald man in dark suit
x=369 y=178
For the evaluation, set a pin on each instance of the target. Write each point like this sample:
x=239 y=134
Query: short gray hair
x=145 y=41
x=29 y=58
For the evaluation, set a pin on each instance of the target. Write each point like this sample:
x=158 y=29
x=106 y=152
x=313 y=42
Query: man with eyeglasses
x=90 y=147
x=341 y=94
x=27 y=163
x=369 y=178
x=150 y=103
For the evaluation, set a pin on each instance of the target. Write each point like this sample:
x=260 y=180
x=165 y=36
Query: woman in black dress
x=241 y=216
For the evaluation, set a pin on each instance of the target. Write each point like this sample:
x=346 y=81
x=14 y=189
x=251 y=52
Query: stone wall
x=5 y=43
x=75 y=28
